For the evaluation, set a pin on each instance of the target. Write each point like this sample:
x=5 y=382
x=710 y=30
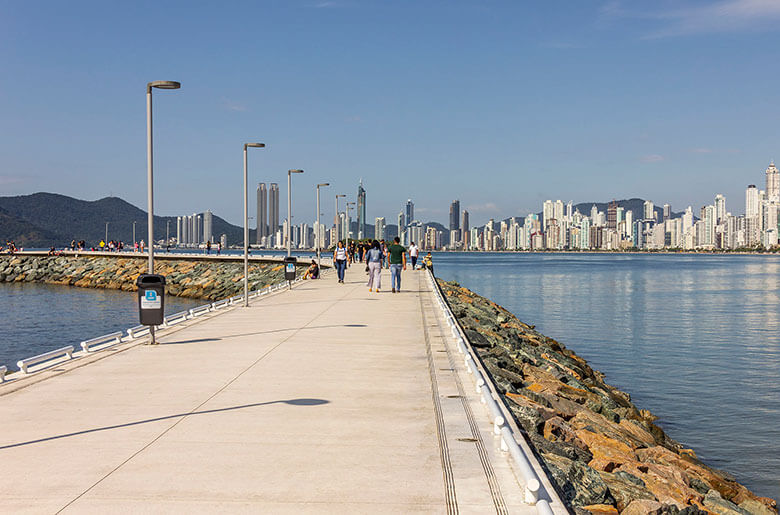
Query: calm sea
x=694 y=339
x=38 y=317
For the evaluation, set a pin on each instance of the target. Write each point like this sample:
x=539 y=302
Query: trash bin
x=151 y=298
x=289 y=268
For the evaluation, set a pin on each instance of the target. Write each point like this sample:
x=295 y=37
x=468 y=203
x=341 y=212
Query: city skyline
x=668 y=96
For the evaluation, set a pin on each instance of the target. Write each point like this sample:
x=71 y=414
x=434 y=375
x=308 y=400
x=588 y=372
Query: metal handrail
x=138 y=330
x=46 y=356
x=200 y=310
x=483 y=387
x=175 y=318
x=116 y=337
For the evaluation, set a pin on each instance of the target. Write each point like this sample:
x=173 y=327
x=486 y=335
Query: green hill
x=46 y=219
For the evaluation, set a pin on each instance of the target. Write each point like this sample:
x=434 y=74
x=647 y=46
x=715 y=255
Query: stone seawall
x=200 y=279
x=604 y=454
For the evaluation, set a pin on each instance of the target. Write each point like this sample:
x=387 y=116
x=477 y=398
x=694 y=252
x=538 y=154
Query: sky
x=500 y=104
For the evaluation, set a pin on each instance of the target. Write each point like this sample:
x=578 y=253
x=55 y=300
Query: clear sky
x=501 y=104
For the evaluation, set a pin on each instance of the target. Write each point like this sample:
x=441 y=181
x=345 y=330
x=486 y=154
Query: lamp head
x=254 y=145
x=323 y=184
x=294 y=171
x=163 y=84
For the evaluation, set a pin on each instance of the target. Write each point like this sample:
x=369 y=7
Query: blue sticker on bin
x=151 y=300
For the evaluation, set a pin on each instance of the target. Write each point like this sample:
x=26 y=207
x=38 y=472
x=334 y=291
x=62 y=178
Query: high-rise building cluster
x=564 y=228
x=267 y=215
x=194 y=229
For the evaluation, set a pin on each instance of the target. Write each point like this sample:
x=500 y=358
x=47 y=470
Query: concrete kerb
x=529 y=472
x=17 y=380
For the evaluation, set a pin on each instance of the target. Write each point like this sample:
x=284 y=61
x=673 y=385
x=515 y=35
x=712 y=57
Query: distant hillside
x=22 y=233
x=45 y=219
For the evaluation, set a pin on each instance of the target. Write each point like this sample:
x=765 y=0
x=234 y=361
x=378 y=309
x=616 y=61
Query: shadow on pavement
x=293 y=402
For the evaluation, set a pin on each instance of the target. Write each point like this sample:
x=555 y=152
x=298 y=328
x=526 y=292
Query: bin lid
x=150 y=280
x=290 y=259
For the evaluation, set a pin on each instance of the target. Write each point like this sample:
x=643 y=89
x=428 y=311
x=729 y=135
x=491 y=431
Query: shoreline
x=604 y=454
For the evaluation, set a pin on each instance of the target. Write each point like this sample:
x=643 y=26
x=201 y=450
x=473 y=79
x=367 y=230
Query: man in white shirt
x=413 y=253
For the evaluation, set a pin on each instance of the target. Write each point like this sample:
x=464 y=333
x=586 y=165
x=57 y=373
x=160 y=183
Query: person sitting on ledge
x=428 y=262
x=313 y=272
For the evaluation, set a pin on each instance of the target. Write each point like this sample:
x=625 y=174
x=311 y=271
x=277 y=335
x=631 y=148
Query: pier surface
x=325 y=398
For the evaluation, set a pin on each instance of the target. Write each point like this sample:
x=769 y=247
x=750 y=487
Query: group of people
x=377 y=255
x=10 y=247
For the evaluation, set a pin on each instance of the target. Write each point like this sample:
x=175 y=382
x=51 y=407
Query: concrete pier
x=322 y=399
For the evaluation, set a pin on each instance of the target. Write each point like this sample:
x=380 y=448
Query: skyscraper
x=455 y=223
x=465 y=230
x=273 y=210
x=262 y=212
x=401 y=224
x=379 y=228
x=649 y=210
x=455 y=215
x=361 y=212
x=773 y=182
x=667 y=212
x=409 y=212
x=612 y=215
x=207 y=227
x=720 y=208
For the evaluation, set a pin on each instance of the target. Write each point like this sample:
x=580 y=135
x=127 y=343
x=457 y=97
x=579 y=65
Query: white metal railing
x=498 y=415
x=200 y=310
x=106 y=338
x=138 y=330
x=3 y=370
x=175 y=318
x=220 y=303
x=46 y=356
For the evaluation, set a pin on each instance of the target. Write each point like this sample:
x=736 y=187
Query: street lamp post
x=167 y=234
x=346 y=209
x=133 y=236
x=319 y=225
x=289 y=207
x=338 y=222
x=159 y=84
x=106 y=239
x=246 y=224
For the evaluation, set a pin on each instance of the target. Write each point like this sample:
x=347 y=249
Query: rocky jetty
x=200 y=279
x=603 y=453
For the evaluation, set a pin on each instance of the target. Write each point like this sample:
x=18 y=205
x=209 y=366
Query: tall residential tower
x=262 y=212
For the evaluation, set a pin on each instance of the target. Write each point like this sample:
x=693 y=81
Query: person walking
x=340 y=256
x=413 y=253
x=374 y=261
x=397 y=260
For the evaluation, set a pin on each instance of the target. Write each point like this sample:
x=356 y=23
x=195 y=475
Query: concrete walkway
x=322 y=399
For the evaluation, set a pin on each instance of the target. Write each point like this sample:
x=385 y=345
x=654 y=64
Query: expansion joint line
x=495 y=489
x=199 y=406
x=444 y=452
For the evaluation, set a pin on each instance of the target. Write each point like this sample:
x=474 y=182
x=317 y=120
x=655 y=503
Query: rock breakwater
x=201 y=279
x=603 y=453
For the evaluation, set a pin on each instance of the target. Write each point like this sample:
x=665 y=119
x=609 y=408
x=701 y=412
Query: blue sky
x=499 y=104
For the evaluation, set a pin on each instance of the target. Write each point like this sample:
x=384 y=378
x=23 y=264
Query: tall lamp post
x=349 y=205
x=106 y=240
x=338 y=222
x=133 y=236
x=289 y=207
x=319 y=225
x=159 y=84
x=246 y=224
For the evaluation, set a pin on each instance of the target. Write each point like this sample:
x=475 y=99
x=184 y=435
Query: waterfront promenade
x=321 y=399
